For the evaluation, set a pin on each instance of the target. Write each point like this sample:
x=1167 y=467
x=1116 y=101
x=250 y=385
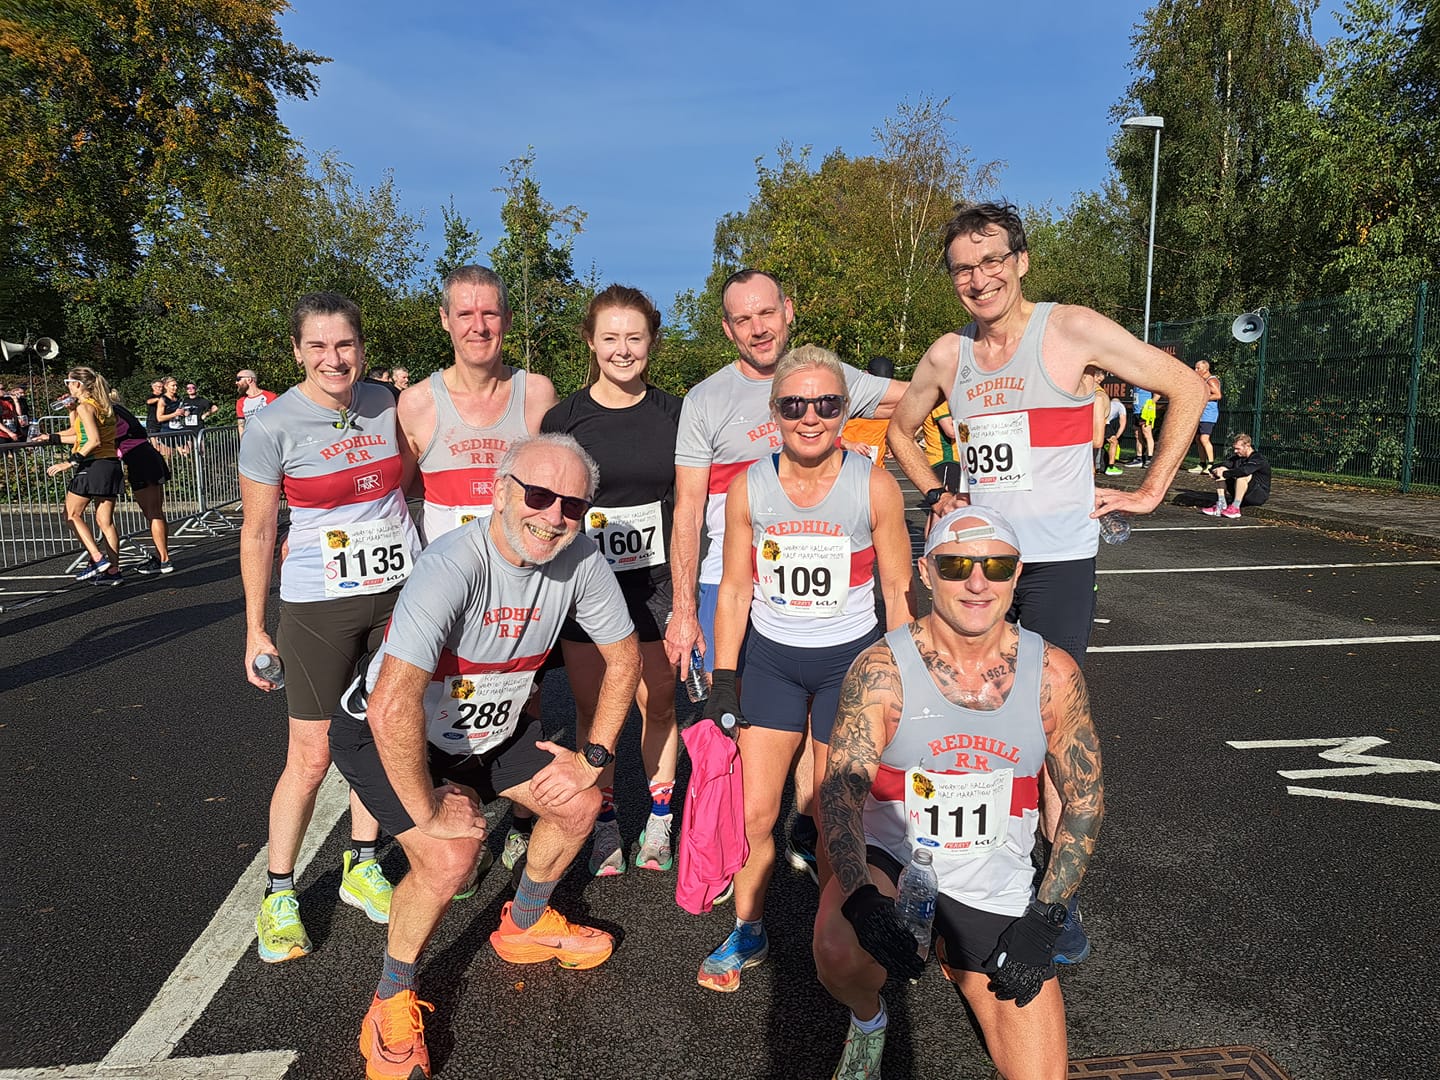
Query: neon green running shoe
x=482 y=866
x=517 y=845
x=363 y=886
x=282 y=935
x=861 y=1059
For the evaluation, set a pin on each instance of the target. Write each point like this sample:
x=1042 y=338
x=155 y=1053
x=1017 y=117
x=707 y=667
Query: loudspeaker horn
x=10 y=350
x=1248 y=327
x=46 y=348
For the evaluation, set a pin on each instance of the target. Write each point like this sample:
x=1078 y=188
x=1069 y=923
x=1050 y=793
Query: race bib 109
x=804 y=576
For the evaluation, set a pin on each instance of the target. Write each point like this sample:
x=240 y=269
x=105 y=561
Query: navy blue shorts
x=1057 y=601
x=709 y=600
x=784 y=683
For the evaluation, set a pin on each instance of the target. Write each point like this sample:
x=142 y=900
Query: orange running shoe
x=392 y=1038
x=553 y=936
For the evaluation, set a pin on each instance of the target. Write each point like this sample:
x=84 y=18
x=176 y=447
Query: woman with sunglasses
x=95 y=468
x=331 y=446
x=628 y=427
x=805 y=532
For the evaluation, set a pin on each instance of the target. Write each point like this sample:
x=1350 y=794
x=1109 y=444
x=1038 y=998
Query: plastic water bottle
x=34 y=432
x=729 y=723
x=916 y=903
x=697 y=683
x=1115 y=527
x=269 y=668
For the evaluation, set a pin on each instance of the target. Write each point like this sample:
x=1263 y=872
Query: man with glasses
x=1243 y=480
x=725 y=427
x=433 y=729
x=252 y=398
x=1015 y=378
x=943 y=731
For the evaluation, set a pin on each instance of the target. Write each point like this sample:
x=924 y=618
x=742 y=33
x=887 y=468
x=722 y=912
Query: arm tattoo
x=870 y=701
x=1073 y=758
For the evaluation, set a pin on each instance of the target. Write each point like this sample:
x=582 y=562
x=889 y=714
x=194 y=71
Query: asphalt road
x=1223 y=909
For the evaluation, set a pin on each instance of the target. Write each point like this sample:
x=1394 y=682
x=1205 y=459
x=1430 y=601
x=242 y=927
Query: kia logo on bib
x=367 y=483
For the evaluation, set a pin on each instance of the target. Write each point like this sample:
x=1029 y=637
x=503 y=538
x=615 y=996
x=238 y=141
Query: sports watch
x=1054 y=914
x=931 y=497
x=598 y=757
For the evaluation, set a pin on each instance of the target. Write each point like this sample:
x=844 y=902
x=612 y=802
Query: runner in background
x=95 y=473
x=628 y=427
x=938 y=436
x=865 y=435
x=1209 y=417
x=333 y=447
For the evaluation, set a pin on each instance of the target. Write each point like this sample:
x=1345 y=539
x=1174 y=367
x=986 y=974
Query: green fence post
x=1259 y=386
x=1418 y=340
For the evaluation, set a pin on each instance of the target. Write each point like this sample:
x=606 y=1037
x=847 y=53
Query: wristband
x=77 y=459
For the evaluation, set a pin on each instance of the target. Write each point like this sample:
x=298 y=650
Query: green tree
x=1218 y=71
x=1086 y=256
x=113 y=113
x=462 y=243
x=534 y=259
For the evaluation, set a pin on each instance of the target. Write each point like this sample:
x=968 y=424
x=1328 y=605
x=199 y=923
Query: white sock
x=874 y=1024
x=749 y=927
x=1220 y=501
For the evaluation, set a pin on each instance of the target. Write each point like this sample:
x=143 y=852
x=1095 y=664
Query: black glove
x=724 y=698
x=1022 y=960
x=882 y=934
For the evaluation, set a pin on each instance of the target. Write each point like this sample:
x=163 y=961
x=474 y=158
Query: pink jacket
x=713 y=847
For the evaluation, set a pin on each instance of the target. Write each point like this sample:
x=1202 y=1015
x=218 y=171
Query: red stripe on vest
x=1068 y=425
x=450 y=664
x=721 y=475
x=889 y=786
x=368 y=482
x=862 y=566
x=474 y=486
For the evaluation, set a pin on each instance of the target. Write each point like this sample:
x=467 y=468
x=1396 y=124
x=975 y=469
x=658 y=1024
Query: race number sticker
x=469 y=714
x=804 y=576
x=628 y=536
x=957 y=817
x=367 y=557
x=464 y=515
x=997 y=454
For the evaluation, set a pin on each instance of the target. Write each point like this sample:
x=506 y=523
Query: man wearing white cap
x=943 y=728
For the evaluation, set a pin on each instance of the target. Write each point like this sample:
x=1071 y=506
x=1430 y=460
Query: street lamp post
x=1155 y=123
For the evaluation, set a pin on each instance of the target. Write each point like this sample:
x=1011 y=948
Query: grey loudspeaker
x=1248 y=327
x=9 y=350
x=46 y=348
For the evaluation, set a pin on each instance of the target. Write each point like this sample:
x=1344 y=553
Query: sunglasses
x=960 y=567
x=827 y=406
x=539 y=498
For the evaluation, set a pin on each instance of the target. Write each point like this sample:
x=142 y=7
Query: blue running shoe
x=801 y=856
x=1073 y=944
x=741 y=950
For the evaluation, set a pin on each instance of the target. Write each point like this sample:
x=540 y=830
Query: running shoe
x=95 y=569
x=392 y=1038
x=1137 y=464
x=155 y=566
x=1073 y=944
x=1230 y=512
x=282 y=936
x=517 y=843
x=1212 y=511
x=607 y=852
x=552 y=938
x=742 y=949
x=1197 y=469
x=655 y=853
x=861 y=1058
x=108 y=579
x=1114 y=470
x=726 y=894
x=363 y=886
x=801 y=856
x=482 y=867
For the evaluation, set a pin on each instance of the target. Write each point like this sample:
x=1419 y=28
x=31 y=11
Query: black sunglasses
x=960 y=567
x=539 y=498
x=827 y=406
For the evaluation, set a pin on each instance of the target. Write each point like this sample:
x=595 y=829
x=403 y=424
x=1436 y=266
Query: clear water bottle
x=34 y=432
x=729 y=724
x=1115 y=527
x=697 y=683
x=269 y=668
x=916 y=903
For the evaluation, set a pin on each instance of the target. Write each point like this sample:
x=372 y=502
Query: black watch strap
x=932 y=496
x=1054 y=914
x=597 y=756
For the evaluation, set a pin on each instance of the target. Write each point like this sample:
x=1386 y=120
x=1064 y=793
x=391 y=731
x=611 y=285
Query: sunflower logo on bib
x=337 y=538
x=465 y=519
x=922 y=785
x=598 y=520
x=460 y=689
x=770 y=550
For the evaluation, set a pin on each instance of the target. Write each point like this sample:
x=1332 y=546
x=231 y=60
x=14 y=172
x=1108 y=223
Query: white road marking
x=1356 y=796
x=1280 y=566
x=1378 y=639
x=1196 y=528
x=145 y=1049
x=1350 y=751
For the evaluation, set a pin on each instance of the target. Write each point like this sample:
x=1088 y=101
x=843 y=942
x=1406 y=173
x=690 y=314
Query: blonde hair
x=803 y=359
x=94 y=389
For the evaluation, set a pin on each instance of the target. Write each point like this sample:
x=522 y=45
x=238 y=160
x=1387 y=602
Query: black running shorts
x=321 y=642
x=98 y=479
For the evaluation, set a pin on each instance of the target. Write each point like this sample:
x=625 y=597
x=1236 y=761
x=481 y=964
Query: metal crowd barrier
x=204 y=482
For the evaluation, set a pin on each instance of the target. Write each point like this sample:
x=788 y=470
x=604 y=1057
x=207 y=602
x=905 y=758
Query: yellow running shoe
x=553 y=937
x=281 y=934
x=363 y=885
x=392 y=1038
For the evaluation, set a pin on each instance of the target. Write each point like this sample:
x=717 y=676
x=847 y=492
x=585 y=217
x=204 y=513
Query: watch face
x=597 y=755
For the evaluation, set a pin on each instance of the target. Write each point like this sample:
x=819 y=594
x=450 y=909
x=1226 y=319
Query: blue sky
x=650 y=117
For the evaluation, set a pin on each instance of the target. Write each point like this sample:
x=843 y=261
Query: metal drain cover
x=1215 y=1063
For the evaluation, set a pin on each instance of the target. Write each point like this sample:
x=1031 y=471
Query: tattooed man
x=943 y=728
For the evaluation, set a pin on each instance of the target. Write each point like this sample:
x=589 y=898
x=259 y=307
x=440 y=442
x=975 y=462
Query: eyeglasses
x=991 y=264
x=539 y=498
x=827 y=406
x=960 y=567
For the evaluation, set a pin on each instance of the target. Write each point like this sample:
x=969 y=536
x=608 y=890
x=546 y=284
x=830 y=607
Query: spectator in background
x=1144 y=411
x=1244 y=479
x=252 y=398
x=194 y=411
x=11 y=430
x=938 y=435
x=1114 y=428
x=866 y=435
x=153 y=426
x=402 y=378
x=1209 y=416
x=381 y=377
